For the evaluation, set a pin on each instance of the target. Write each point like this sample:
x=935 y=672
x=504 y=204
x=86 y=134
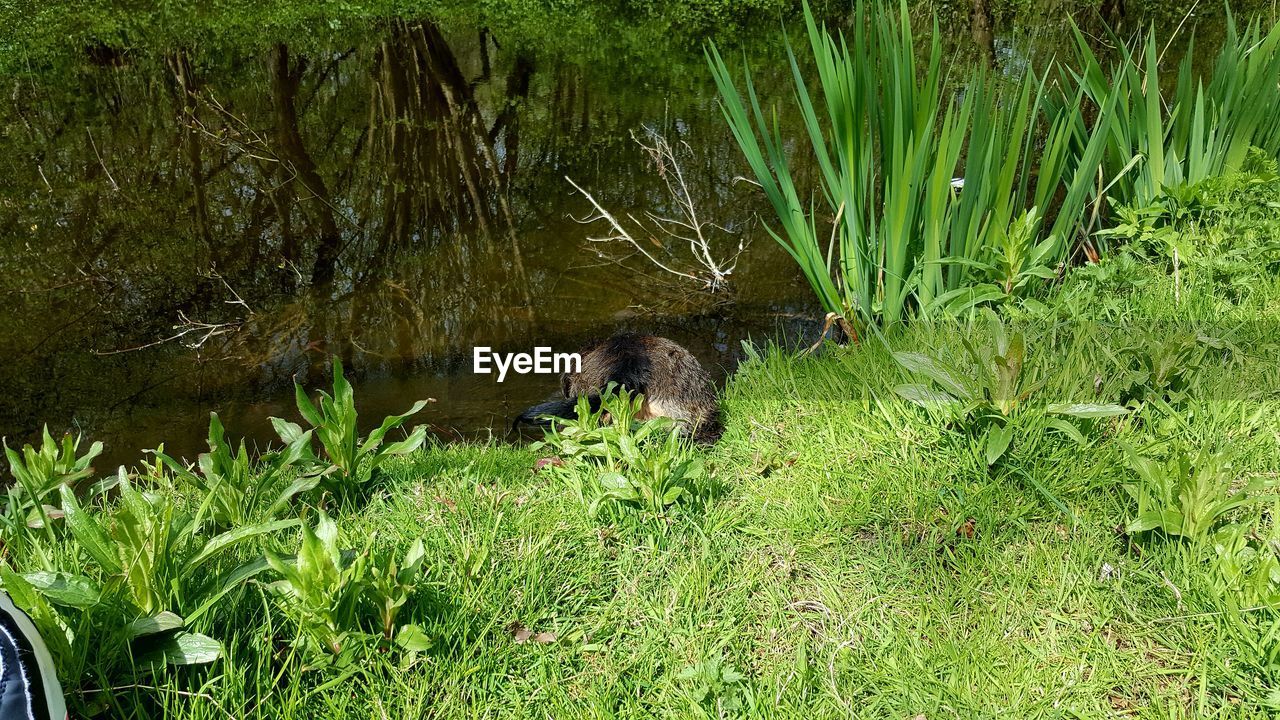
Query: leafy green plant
x=641 y=464
x=1163 y=365
x=718 y=687
x=142 y=576
x=1158 y=141
x=651 y=476
x=985 y=394
x=1249 y=563
x=1016 y=259
x=322 y=587
x=391 y=585
x=1188 y=495
x=329 y=592
x=888 y=146
x=349 y=460
x=233 y=488
x=1143 y=229
x=150 y=549
x=39 y=474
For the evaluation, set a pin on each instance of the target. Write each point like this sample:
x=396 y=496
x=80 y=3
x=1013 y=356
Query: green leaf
x=231 y=537
x=297 y=449
x=924 y=365
x=300 y=484
x=1087 y=410
x=925 y=396
x=305 y=406
x=183 y=648
x=414 y=558
x=998 y=439
x=673 y=494
x=289 y=433
x=392 y=421
x=75 y=591
x=408 y=445
x=1068 y=429
x=615 y=481
x=89 y=533
x=1169 y=520
x=162 y=622
x=412 y=638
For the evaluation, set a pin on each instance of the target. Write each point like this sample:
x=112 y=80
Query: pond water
x=192 y=231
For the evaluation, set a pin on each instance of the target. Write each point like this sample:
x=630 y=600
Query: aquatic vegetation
x=1160 y=140
x=888 y=134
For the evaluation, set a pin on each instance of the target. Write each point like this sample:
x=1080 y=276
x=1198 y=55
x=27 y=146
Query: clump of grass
x=1165 y=136
x=887 y=131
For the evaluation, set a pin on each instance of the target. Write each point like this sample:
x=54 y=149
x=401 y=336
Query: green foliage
x=985 y=393
x=233 y=487
x=150 y=549
x=1249 y=563
x=644 y=465
x=322 y=588
x=1188 y=495
x=141 y=576
x=888 y=146
x=1164 y=365
x=1016 y=259
x=39 y=474
x=718 y=687
x=349 y=461
x=391 y=585
x=330 y=591
x=1160 y=142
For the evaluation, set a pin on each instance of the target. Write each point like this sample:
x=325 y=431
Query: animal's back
x=673 y=382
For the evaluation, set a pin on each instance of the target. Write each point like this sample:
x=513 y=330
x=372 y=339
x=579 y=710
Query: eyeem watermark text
x=541 y=362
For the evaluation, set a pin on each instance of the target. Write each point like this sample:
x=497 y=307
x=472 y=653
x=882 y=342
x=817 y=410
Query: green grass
x=856 y=558
x=851 y=555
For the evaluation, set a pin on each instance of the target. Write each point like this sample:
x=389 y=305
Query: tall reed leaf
x=896 y=232
x=1166 y=135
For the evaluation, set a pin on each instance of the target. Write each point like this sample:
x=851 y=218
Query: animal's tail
x=539 y=415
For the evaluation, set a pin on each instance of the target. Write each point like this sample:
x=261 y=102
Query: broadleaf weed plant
x=343 y=599
x=644 y=465
x=349 y=461
x=39 y=473
x=234 y=489
x=1191 y=494
x=143 y=577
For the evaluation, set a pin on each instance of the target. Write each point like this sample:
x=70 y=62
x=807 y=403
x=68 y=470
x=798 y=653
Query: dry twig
x=687 y=228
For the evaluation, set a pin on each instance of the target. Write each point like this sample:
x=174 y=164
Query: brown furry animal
x=672 y=381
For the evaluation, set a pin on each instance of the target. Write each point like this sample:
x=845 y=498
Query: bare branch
x=702 y=264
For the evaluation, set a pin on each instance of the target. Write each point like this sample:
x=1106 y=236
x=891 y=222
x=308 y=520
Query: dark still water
x=191 y=231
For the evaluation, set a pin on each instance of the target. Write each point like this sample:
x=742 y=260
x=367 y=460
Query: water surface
x=193 y=230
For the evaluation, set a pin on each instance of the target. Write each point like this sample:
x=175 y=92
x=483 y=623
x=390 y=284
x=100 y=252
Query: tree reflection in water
x=394 y=201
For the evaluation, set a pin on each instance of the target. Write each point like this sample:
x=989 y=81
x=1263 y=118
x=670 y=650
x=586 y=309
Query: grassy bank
x=845 y=552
